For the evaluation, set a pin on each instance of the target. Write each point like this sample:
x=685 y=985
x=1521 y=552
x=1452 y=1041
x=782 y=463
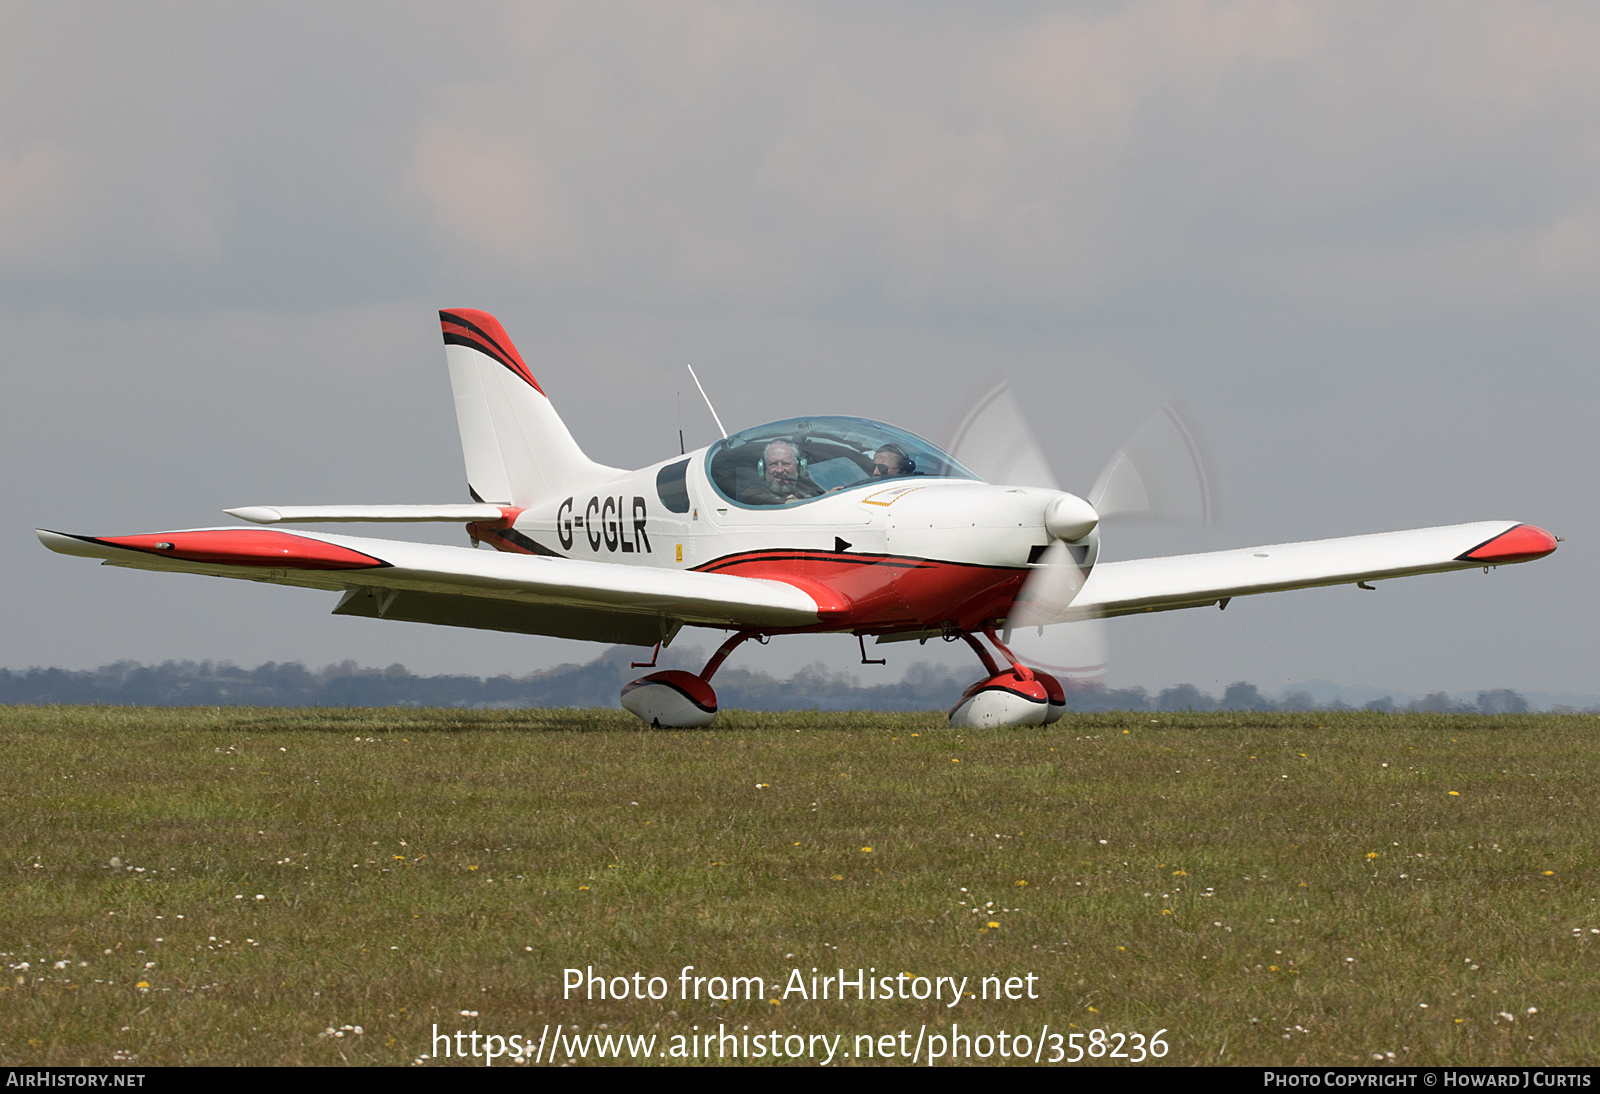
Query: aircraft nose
x=1069 y=517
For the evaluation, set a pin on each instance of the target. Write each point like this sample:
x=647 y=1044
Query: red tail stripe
x=483 y=332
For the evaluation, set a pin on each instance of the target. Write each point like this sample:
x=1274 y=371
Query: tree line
x=599 y=682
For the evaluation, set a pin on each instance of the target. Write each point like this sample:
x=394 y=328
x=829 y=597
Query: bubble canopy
x=800 y=459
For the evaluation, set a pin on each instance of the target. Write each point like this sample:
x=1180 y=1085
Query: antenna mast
x=707 y=398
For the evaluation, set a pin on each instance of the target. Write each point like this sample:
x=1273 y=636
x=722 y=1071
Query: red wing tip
x=246 y=547
x=1523 y=543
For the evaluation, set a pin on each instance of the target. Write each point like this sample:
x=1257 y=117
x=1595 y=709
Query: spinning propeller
x=1160 y=471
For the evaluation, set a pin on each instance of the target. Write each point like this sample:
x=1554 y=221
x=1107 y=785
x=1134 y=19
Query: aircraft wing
x=1191 y=581
x=458 y=586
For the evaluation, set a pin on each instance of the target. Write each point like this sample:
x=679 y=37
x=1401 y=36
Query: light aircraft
x=808 y=525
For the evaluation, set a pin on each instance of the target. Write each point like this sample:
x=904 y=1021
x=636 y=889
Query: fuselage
x=912 y=553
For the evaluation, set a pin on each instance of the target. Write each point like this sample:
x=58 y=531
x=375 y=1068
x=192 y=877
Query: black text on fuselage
x=606 y=523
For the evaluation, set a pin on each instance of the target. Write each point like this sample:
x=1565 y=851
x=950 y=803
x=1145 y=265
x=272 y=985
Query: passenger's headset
x=908 y=466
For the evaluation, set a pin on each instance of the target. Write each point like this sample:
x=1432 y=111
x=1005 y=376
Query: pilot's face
x=885 y=465
x=782 y=464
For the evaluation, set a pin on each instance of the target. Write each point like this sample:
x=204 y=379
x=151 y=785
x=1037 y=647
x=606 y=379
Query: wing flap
x=1188 y=581
x=441 y=571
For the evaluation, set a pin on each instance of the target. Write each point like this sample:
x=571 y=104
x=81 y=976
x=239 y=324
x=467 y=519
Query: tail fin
x=518 y=451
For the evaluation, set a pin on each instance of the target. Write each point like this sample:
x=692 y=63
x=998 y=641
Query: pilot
x=783 y=479
x=890 y=462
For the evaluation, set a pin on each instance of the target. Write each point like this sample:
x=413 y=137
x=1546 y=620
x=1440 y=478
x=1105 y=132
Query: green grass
x=415 y=864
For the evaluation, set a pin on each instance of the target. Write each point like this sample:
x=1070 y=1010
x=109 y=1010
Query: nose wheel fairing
x=1015 y=696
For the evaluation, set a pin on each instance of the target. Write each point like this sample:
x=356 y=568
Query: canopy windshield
x=793 y=461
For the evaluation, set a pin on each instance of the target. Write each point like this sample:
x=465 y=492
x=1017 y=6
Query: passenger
x=783 y=479
x=890 y=462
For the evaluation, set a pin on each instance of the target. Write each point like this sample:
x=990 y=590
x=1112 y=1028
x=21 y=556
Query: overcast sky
x=1361 y=241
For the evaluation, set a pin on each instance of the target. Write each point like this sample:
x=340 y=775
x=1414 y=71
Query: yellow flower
x=1372 y=854
x=992 y=923
x=142 y=984
x=1549 y=873
x=1166 y=911
x=1455 y=793
x=472 y=867
x=866 y=850
x=1272 y=968
x=776 y=1002
x=1180 y=873
x=1022 y=883
x=582 y=887
x=955 y=761
x=837 y=877
x=1093 y=1010
x=1124 y=949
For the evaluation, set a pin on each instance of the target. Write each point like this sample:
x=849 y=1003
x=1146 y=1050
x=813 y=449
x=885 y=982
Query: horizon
x=921 y=678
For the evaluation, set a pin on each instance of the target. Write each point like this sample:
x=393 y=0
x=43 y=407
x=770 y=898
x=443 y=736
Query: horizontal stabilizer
x=407 y=514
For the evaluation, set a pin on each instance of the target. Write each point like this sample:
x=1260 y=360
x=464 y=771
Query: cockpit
x=798 y=460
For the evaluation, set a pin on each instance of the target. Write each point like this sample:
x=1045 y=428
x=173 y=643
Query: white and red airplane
x=824 y=524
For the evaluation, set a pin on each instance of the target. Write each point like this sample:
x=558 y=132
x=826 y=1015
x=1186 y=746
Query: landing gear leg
x=1054 y=693
x=724 y=650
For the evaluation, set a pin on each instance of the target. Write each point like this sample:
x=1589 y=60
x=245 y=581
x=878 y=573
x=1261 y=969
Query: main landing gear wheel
x=675 y=699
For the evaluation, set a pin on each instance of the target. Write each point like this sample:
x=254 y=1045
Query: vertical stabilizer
x=518 y=450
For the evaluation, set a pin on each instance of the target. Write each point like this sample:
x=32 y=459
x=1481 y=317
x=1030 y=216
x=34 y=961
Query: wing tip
x=1519 y=543
x=65 y=543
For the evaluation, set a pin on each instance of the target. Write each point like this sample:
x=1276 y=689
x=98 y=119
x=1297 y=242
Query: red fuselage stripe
x=884 y=593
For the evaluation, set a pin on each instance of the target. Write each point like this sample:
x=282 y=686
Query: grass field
x=1272 y=888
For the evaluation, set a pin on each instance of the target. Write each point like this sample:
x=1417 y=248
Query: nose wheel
x=1015 y=696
